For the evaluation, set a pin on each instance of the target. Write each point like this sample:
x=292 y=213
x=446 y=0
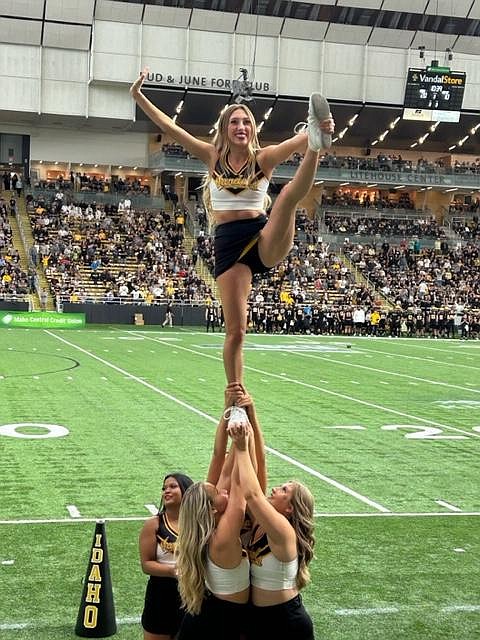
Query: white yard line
x=383 y=514
x=336 y=394
x=151 y=508
x=367 y=611
x=447 y=505
x=365 y=349
x=73 y=511
x=189 y=407
x=387 y=373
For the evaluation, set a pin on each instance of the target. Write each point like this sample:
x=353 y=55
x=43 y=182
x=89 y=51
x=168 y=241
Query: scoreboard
x=435 y=93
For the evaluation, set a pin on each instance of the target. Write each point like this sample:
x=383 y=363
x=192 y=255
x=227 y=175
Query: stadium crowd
x=13 y=280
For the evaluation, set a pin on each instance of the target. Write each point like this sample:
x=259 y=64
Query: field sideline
x=384 y=431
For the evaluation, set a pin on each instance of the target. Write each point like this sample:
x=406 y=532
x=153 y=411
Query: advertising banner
x=42 y=320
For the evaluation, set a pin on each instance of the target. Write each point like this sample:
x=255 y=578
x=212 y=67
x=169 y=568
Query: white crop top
x=232 y=190
x=227 y=581
x=267 y=572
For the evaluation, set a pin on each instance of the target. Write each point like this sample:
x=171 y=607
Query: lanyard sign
x=435 y=94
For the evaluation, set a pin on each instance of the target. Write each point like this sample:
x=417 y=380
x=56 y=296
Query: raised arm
x=233 y=392
x=202 y=150
x=280 y=533
x=257 y=443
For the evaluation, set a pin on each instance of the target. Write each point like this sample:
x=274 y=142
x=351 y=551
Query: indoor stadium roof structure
x=436 y=25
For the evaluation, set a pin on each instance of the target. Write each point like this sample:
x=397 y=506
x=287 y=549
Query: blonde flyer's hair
x=196 y=524
x=301 y=518
x=222 y=145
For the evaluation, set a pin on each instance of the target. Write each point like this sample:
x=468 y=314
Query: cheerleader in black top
x=162 y=614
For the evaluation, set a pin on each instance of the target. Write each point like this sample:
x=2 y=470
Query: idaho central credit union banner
x=202 y=82
x=42 y=320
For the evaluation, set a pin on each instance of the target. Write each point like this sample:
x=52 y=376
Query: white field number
x=424 y=433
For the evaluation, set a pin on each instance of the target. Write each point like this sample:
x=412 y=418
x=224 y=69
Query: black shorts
x=218 y=620
x=231 y=239
x=162 y=612
x=287 y=621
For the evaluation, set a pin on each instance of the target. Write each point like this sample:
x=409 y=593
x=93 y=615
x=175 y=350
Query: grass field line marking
x=185 y=405
x=189 y=407
x=428 y=359
x=447 y=505
x=151 y=508
x=367 y=611
x=461 y=607
x=361 y=611
x=73 y=511
x=376 y=514
x=388 y=373
x=336 y=394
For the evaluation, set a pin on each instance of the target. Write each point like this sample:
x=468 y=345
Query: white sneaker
x=235 y=415
x=318 y=110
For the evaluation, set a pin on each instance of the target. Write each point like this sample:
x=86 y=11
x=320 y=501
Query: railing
x=164 y=162
x=139 y=201
x=358 y=211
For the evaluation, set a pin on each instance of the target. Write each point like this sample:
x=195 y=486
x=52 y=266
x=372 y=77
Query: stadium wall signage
x=398 y=177
x=42 y=320
x=201 y=82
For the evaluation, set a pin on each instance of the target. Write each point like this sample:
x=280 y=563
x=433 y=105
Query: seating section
x=101 y=254
x=14 y=281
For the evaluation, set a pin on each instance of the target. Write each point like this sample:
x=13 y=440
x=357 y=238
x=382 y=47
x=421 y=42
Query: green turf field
x=385 y=433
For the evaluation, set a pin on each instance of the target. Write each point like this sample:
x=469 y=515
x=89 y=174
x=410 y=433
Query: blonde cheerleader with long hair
x=239 y=171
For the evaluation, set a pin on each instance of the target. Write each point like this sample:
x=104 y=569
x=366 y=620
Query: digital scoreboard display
x=435 y=93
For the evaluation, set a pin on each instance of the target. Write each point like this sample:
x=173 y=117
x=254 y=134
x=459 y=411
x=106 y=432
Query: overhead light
x=267 y=113
x=81 y=164
x=352 y=120
x=260 y=126
x=452 y=189
x=179 y=106
x=174 y=119
x=335 y=139
x=473 y=130
x=95 y=165
x=429 y=188
x=434 y=126
x=394 y=123
x=344 y=184
x=374 y=143
x=120 y=166
x=56 y=162
x=41 y=162
x=382 y=136
x=412 y=146
x=452 y=147
x=135 y=168
x=400 y=186
x=318 y=182
x=179 y=173
x=460 y=142
x=342 y=132
x=423 y=138
x=369 y=186
x=212 y=130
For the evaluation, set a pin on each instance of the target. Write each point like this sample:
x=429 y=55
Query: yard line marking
x=152 y=508
x=73 y=511
x=129 y=620
x=367 y=611
x=396 y=374
x=336 y=394
x=447 y=505
x=372 y=514
x=363 y=349
x=189 y=407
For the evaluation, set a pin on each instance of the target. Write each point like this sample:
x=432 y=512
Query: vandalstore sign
x=202 y=82
x=42 y=320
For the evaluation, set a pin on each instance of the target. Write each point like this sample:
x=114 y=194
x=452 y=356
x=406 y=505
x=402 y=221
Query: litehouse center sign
x=203 y=82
